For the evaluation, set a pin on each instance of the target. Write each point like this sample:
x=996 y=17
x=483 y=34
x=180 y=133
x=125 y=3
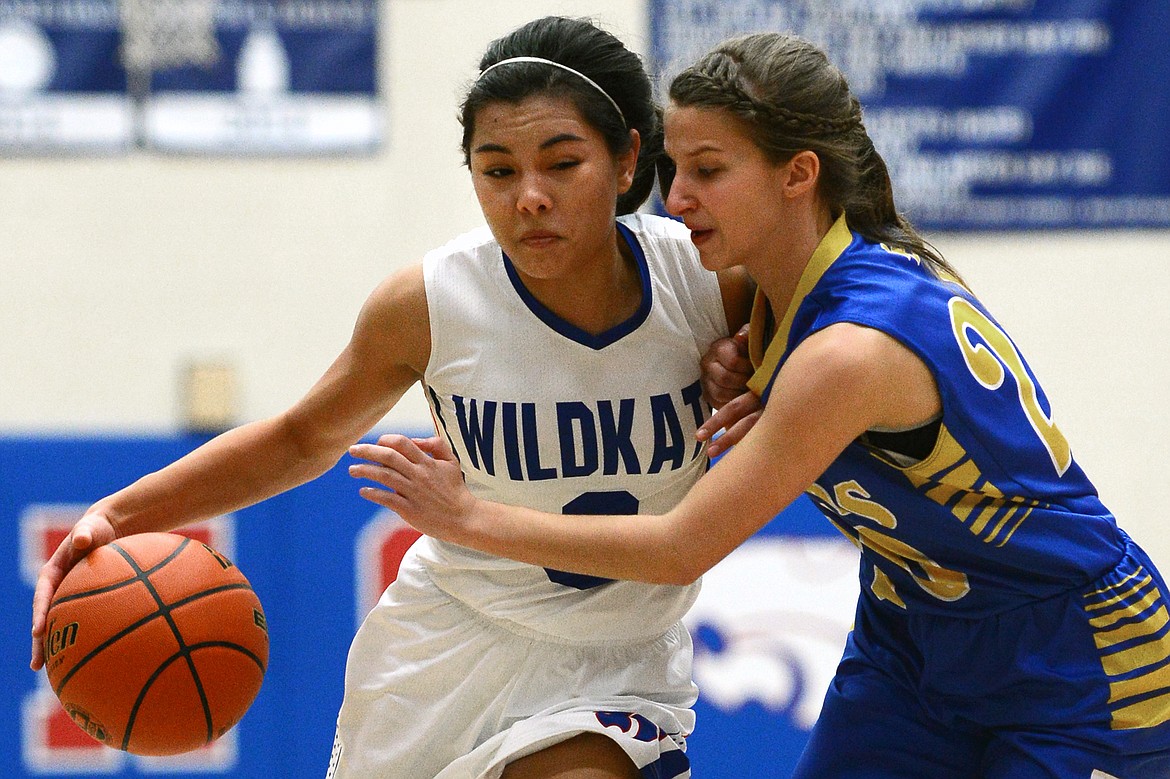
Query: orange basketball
x=156 y=644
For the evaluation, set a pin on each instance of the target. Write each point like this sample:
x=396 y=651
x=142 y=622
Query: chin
x=713 y=261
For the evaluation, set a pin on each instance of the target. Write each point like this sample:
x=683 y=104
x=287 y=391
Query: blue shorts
x=1073 y=687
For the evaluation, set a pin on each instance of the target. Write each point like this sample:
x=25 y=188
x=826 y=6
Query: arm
x=837 y=384
x=386 y=354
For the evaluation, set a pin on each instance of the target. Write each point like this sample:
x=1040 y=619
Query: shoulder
x=888 y=377
x=657 y=228
x=394 y=319
x=470 y=244
x=874 y=285
x=666 y=243
x=880 y=262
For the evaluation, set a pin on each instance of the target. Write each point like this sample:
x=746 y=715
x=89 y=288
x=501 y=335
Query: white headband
x=565 y=68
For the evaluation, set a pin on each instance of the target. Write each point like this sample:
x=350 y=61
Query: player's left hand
x=735 y=419
x=420 y=480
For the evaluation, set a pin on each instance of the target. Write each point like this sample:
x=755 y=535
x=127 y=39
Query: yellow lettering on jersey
x=883 y=588
x=818 y=493
x=987 y=362
x=942 y=583
x=849 y=497
x=852 y=498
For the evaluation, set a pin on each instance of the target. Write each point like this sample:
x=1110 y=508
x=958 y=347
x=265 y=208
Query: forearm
x=236 y=469
x=612 y=546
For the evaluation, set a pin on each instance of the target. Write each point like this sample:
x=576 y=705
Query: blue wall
x=315 y=556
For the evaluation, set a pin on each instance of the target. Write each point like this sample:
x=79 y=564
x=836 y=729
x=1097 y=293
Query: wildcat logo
x=770 y=623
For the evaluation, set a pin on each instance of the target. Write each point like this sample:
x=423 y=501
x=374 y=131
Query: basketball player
x=1006 y=627
x=559 y=349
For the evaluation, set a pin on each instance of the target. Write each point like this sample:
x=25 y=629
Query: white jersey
x=542 y=414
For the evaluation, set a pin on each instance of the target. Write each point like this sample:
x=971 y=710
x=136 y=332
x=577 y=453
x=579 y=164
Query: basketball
x=156 y=644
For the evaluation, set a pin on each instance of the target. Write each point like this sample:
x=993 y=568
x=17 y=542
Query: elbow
x=310 y=452
x=683 y=577
x=682 y=569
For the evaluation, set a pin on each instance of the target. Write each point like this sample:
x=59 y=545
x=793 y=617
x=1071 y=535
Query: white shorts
x=436 y=689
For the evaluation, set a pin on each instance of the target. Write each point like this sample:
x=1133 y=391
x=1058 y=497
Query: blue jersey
x=999 y=513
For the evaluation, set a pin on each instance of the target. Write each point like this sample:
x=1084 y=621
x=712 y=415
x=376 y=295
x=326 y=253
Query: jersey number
x=619 y=502
x=851 y=498
x=987 y=360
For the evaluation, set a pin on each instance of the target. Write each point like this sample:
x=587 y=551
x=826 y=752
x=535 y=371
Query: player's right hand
x=91 y=531
x=725 y=369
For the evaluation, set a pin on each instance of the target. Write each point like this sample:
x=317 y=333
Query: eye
x=566 y=164
x=497 y=172
x=706 y=172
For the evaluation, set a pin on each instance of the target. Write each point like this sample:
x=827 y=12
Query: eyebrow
x=553 y=141
x=703 y=149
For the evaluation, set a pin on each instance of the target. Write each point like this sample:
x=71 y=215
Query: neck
x=780 y=272
x=599 y=295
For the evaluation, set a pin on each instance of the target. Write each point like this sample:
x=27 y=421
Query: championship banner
x=62 y=86
x=256 y=76
x=991 y=114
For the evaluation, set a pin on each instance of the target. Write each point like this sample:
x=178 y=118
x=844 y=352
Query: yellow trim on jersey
x=1133 y=612
x=950 y=477
x=835 y=242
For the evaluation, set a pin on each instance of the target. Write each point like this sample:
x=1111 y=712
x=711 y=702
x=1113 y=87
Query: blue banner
x=992 y=114
x=769 y=625
x=272 y=77
x=62 y=86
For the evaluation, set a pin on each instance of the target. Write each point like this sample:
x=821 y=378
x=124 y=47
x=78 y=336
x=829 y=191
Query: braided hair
x=790 y=98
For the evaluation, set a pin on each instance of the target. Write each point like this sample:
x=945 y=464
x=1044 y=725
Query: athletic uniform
x=1007 y=628
x=470 y=661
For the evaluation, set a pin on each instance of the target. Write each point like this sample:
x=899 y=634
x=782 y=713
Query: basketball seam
x=185 y=653
x=165 y=610
x=134 y=626
x=118 y=585
x=192 y=654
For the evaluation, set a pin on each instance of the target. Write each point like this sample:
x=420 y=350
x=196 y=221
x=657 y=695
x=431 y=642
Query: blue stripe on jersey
x=672 y=765
x=571 y=331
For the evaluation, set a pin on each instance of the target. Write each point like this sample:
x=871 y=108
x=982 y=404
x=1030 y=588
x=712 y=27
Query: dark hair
x=583 y=46
x=790 y=98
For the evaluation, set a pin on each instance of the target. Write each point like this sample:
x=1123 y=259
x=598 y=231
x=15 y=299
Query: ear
x=801 y=173
x=627 y=163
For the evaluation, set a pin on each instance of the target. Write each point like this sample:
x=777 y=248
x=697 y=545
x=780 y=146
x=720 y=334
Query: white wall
x=116 y=272
x=1091 y=312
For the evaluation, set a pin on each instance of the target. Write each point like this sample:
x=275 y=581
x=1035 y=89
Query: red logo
x=381 y=545
x=51 y=741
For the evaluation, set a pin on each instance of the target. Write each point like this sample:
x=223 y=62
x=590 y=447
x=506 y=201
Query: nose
x=678 y=200
x=533 y=197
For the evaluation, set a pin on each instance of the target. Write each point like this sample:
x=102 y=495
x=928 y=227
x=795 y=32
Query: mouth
x=538 y=239
x=700 y=236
